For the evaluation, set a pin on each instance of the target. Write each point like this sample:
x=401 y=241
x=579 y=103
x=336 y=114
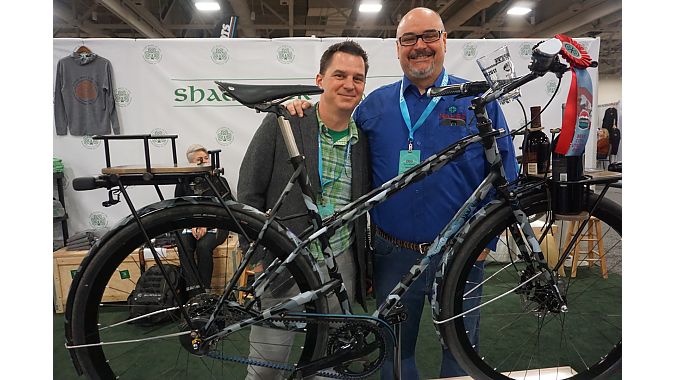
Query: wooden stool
x=593 y=237
x=245 y=276
x=549 y=245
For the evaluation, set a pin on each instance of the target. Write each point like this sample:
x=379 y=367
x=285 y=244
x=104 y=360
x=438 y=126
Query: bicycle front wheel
x=111 y=344
x=517 y=331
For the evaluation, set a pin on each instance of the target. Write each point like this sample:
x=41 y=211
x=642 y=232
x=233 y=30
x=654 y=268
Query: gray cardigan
x=266 y=170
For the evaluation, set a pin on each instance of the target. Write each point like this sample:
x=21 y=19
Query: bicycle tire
x=92 y=320
x=515 y=336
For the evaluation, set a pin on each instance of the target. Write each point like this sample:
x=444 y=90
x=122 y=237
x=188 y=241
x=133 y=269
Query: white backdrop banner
x=166 y=86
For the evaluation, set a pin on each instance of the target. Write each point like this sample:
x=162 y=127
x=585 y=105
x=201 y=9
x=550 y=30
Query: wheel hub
x=199 y=308
x=538 y=296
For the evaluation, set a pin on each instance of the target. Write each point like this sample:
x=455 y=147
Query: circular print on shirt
x=85 y=90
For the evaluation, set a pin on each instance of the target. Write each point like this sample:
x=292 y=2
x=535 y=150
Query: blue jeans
x=390 y=264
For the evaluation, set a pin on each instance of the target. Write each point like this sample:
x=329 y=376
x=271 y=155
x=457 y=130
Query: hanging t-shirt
x=83 y=96
x=615 y=136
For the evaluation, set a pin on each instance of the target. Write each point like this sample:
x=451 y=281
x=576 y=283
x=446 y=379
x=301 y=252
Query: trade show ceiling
x=335 y=18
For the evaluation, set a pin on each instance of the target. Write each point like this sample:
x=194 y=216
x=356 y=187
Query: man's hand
x=483 y=255
x=199 y=232
x=296 y=107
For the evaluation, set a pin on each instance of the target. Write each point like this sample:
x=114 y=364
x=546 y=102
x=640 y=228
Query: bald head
x=417 y=16
x=423 y=61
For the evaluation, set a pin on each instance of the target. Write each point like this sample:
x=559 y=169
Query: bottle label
x=532 y=168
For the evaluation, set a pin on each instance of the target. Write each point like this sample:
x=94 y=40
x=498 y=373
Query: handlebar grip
x=454 y=89
x=468 y=89
x=87 y=183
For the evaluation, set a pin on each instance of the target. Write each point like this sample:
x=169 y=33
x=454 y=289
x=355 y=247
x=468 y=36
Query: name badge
x=408 y=159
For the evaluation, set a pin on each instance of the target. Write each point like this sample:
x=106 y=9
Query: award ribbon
x=577 y=115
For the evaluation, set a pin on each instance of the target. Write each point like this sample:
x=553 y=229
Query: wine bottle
x=537 y=146
x=565 y=170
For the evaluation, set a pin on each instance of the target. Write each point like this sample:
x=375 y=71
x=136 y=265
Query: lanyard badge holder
x=327 y=209
x=411 y=157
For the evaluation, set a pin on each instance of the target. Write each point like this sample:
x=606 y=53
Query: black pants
x=202 y=251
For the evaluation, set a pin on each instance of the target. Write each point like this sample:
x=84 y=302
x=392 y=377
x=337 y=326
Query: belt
x=419 y=247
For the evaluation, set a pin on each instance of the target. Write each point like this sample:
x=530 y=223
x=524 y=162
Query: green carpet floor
x=428 y=355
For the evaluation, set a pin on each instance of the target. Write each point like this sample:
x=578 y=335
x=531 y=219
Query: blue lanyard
x=321 y=161
x=425 y=114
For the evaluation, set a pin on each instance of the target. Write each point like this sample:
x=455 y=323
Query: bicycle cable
x=541 y=111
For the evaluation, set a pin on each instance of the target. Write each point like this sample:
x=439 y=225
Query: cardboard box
x=226 y=257
x=66 y=264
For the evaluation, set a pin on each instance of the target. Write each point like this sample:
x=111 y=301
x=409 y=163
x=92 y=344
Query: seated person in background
x=199 y=241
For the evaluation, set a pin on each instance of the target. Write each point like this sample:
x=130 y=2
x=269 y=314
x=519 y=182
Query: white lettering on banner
x=168 y=85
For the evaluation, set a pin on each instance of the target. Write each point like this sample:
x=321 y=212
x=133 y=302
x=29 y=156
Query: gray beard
x=421 y=74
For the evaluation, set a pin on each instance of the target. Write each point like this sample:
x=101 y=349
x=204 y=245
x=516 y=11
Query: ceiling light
x=370 y=7
x=518 y=11
x=207 y=6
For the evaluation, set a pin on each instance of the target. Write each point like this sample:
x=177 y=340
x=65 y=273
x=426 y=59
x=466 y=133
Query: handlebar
x=465 y=89
x=544 y=59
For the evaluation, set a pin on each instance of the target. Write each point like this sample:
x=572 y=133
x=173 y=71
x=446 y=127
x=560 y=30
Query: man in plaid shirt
x=336 y=159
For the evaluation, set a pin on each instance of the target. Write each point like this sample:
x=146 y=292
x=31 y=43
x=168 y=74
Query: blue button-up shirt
x=419 y=212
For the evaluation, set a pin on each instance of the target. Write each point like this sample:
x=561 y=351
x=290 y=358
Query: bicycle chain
x=290 y=368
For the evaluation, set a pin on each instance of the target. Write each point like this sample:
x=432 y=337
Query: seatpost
x=287 y=133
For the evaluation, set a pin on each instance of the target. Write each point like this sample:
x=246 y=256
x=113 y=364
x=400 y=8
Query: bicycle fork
x=529 y=246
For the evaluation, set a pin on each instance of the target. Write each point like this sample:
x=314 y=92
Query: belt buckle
x=423 y=247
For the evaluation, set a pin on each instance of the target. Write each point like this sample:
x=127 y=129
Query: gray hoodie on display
x=83 y=96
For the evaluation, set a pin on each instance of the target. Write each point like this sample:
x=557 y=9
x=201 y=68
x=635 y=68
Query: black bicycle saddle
x=250 y=95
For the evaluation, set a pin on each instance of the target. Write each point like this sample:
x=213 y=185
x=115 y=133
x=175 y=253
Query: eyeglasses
x=428 y=36
x=202 y=159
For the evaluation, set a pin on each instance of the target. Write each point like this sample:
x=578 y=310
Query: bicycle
x=524 y=301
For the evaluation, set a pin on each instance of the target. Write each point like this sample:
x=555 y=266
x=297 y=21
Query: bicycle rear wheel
x=519 y=333
x=163 y=350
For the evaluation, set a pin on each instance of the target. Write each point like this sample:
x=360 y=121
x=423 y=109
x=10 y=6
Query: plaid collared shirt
x=336 y=178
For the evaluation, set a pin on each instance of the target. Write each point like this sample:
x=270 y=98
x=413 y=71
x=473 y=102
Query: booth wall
x=166 y=86
x=610 y=90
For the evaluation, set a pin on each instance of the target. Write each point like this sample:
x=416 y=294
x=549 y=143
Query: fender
x=449 y=254
x=149 y=210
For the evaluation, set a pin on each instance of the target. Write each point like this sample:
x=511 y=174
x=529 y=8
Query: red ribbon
x=578 y=58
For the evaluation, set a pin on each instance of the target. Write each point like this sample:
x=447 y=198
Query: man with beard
x=404 y=125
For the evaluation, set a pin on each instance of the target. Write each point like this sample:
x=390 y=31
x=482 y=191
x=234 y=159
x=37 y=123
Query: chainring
x=358 y=336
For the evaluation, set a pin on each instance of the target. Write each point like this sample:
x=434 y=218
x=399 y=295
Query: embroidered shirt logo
x=453 y=118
